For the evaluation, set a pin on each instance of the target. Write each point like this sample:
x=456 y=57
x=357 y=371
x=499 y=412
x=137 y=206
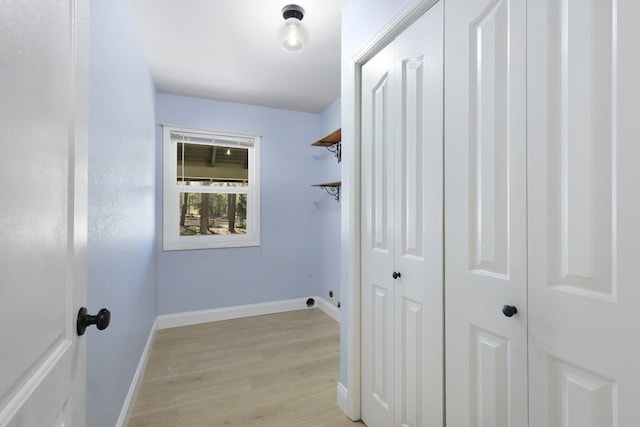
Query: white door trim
x=351 y=185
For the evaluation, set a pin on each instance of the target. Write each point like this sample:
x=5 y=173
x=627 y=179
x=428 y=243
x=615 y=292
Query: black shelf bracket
x=332 y=190
x=336 y=149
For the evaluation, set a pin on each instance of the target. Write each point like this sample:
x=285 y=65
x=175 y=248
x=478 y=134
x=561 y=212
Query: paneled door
x=485 y=213
x=377 y=245
x=401 y=247
x=584 y=212
x=43 y=118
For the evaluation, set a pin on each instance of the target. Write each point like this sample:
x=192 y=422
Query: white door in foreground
x=584 y=212
x=43 y=122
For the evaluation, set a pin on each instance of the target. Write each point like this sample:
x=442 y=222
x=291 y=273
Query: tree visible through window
x=211 y=189
x=213 y=214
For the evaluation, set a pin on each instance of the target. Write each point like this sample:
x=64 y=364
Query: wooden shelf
x=328 y=184
x=329 y=140
x=332 y=188
x=332 y=142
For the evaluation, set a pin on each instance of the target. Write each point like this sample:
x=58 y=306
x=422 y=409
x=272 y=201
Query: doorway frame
x=351 y=209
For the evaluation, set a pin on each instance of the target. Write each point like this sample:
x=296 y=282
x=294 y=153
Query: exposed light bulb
x=292 y=34
x=228 y=151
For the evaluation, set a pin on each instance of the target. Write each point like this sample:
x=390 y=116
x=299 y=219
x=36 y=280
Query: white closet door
x=418 y=222
x=485 y=213
x=377 y=245
x=402 y=377
x=584 y=213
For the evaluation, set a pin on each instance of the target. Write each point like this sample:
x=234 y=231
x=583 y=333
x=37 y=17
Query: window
x=211 y=189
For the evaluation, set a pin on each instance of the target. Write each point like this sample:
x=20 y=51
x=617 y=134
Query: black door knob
x=101 y=320
x=509 y=310
x=396 y=274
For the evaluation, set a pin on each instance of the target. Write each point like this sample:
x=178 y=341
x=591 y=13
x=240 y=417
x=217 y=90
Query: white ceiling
x=227 y=50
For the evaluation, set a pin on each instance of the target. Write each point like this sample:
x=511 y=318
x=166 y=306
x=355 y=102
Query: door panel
x=382 y=345
x=578 y=397
x=488 y=138
x=583 y=209
x=381 y=191
x=411 y=169
x=485 y=212
x=43 y=117
x=581 y=148
x=489 y=378
x=410 y=391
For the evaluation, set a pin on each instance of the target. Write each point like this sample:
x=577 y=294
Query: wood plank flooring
x=274 y=370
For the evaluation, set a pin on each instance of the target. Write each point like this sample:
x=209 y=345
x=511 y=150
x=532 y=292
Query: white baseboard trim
x=342 y=398
x=127 y=407
x=331 y=310
x=166 y=321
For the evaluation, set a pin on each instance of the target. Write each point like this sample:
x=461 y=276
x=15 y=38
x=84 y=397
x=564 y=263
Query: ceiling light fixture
x=292 y=34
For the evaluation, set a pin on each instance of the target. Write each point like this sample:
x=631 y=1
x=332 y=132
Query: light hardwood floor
x=274 y=370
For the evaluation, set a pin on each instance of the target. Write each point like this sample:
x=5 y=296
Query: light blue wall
x=286 y=264
x=328 y=209
x=121 y=246
x=361 y=22
x=330 y=118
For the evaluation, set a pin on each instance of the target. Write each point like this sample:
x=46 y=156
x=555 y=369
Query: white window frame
x=171 y=238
